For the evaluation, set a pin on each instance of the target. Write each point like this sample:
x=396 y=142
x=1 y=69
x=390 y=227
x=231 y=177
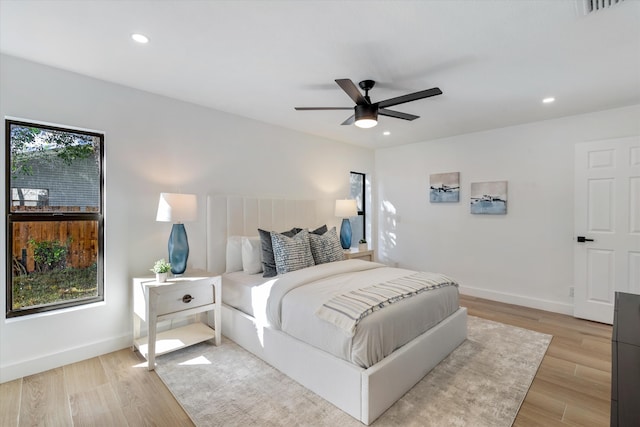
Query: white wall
x=152 y=144
x=524 y=257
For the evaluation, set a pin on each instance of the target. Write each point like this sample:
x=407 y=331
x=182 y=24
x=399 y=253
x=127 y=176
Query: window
x=54 y=217
x=357 y=192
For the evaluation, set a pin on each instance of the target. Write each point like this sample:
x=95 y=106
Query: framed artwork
x=444 y=187
x=489 y=198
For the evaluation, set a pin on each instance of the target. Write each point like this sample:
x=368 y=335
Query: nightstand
x=355 y=253
x=189 y=294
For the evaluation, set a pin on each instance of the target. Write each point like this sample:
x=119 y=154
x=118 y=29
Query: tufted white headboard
x=242 y=216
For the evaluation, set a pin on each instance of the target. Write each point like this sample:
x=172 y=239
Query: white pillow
x=251 y=255
x=234 y=254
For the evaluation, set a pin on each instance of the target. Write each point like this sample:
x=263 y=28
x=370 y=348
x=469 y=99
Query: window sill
x=61 y=311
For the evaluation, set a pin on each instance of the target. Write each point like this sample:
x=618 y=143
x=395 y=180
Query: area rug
x=482 y=383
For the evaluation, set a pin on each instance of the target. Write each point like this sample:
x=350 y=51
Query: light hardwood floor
x=572 y=386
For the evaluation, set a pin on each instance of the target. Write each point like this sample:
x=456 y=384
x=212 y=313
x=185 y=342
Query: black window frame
x=363 y=211
x=53 y=216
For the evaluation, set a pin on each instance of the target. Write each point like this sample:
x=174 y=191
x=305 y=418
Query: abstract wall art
x=489 y=198
x=444 y=187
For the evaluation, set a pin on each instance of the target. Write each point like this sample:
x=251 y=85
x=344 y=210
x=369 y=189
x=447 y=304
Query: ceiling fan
x=365 y=112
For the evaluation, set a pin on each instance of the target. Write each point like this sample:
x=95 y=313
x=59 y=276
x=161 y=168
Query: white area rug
x=482 y=383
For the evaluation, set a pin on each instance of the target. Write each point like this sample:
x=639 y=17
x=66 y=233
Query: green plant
x=363 y=241
x=161 y=266
x=39 y=288
x=31 y=142
x=50 y=254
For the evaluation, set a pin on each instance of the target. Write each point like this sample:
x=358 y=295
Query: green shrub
x=50 y=254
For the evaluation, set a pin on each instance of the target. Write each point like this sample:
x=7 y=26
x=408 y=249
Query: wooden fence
x=82 y=238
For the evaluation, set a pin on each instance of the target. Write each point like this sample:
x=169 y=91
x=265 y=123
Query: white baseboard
x=540 y=304
x=55 y=360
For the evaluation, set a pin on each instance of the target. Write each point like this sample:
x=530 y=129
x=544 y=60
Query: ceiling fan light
x=366 y=123
x=366 y=116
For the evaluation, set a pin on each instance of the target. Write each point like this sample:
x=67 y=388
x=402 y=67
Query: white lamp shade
x=174 y=207
x=346 y=208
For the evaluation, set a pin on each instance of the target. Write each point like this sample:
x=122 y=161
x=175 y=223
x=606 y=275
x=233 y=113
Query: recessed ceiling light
x=140 y=38
x=386 y=133
x=548 y=100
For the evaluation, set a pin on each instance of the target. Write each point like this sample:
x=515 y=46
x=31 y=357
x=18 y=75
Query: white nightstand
x=191 y=293
x=355 y=253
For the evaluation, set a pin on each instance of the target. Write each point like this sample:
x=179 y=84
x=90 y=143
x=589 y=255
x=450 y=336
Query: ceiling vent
x=598 y=5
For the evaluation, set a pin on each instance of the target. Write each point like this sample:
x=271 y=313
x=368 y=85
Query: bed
x=360 y=375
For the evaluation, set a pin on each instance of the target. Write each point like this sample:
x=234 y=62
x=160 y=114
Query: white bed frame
x=362 y=393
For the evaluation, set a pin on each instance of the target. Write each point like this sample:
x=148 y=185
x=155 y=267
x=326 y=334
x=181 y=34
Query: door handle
x=582 y=239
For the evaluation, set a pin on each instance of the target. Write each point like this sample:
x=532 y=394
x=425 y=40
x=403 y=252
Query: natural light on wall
x=388 y=233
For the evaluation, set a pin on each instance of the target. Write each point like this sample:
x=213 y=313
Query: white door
x=607 y=218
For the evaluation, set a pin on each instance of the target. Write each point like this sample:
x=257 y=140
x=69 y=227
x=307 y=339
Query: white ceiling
x=494 y=59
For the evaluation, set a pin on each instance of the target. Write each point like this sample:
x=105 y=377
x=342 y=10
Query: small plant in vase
x=362 y=245
x=162 y=269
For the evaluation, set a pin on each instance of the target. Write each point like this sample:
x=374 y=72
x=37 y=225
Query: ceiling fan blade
x=352 y=90
x=396 y=114
x=410 y=97
x=349 y=121
x=322 y=108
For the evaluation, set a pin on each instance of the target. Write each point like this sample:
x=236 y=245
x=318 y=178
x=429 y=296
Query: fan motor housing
x=366 y=111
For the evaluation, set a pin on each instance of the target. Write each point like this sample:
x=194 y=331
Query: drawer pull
x=187 y=299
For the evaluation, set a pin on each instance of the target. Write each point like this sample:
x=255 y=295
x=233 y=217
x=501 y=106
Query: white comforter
x=295 y=297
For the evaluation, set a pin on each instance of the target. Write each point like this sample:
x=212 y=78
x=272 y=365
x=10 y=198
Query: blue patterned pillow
x=291 y=253
x=268 y=260
x=326 y=248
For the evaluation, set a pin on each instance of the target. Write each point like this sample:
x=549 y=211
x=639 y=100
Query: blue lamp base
x=345 y=234
x=178 y=249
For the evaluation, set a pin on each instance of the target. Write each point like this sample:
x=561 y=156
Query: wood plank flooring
x=111 y=390
x=572 y=386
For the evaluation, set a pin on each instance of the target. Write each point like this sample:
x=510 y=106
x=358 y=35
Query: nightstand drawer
x=184 y=297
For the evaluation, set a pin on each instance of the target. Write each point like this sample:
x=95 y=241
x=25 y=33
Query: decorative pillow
x=251 y=255
x=268 y=260
x=234 y=254
x=320 y=230
x=326 y=248
x=291 y=253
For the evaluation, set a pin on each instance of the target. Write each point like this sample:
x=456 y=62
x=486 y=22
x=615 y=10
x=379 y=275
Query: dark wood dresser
x=625 y=361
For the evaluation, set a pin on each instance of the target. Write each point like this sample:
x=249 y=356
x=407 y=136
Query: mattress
x=289 y=302
x=242 y=291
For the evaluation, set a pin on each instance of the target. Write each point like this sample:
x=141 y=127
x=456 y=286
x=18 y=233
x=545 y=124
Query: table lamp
x=344 y=209
x=177 y=208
